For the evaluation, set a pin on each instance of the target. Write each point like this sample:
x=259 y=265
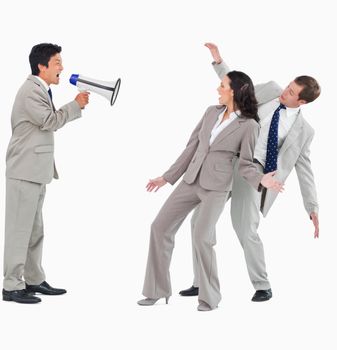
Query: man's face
x=51 y=74
x=225 y=91
x=290 y=95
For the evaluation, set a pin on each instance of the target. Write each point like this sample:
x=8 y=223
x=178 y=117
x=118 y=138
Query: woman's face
x=226 y=93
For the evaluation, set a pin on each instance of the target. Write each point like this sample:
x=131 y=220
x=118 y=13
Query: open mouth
x=58 y=75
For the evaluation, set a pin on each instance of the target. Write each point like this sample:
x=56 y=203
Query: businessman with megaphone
x=29 y=167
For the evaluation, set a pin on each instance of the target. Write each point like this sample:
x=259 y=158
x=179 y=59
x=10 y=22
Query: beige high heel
x=204 y=306
x=150 y=301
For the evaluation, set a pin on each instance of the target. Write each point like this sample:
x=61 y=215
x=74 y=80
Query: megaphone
x=108 y=89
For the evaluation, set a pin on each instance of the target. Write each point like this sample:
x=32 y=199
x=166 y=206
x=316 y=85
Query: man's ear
x=41 y=67
x=302 y=102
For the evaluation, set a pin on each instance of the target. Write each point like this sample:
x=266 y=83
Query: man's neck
x=42 y=78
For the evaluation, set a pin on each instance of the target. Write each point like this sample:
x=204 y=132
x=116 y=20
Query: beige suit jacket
x=30 y=153
x=214 y=164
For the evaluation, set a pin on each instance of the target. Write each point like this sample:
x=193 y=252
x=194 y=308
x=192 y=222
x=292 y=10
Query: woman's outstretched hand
x=155 y=184
x=268 y=181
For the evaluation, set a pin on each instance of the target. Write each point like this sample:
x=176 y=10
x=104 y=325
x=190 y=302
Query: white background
x=97 y=216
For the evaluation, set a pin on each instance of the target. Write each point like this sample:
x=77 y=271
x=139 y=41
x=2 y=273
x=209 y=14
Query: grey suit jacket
x=30 y=153
x=295 y=151
x=215 y=162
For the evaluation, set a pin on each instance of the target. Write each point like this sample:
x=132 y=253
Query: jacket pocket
x=224 y=167
x=44 y=149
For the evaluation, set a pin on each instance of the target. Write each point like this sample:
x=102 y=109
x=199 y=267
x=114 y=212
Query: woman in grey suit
x=225 y=132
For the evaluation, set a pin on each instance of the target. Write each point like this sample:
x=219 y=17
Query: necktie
x=272 y=143
x=50 y=94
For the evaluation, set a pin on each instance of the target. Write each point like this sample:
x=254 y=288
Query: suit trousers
x=184 y=199
x=245 y=214
x=23 y=234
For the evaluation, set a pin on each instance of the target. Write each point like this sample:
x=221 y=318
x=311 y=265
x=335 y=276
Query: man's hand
x=214 y=52
x=155 y=184
x=314 y=218
x=82 y=99
x=268 y=181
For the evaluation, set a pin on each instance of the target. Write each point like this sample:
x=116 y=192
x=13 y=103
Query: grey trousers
x=183 y=199
x=23 y=234
x=245 y=214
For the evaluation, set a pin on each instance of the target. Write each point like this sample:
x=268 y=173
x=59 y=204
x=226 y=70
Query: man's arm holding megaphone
x=40 y=111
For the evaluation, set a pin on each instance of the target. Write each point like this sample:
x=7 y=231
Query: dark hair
x=244 y=94
x=311 y=90
x=41 y=54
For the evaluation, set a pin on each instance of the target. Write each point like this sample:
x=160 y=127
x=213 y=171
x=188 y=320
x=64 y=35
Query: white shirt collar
x=43 y=82
x=233 y=115
x=290 y=110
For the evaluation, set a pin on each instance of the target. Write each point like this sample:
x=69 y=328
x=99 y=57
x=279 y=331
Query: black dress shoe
x=44 y=288
x=262 y=295
x=19 y=296
x=190 y=292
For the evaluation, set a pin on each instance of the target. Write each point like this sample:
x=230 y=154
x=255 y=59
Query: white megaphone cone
x=108 y=89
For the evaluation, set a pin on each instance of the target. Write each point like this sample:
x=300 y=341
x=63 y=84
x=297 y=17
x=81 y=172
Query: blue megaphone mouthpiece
x=73 y=79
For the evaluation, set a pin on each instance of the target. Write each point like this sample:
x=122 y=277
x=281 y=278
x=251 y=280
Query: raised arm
x=219 y=65
x=264 y=92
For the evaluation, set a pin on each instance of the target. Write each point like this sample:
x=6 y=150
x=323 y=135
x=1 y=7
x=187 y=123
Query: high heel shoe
x=150 y=301
x=204 y=306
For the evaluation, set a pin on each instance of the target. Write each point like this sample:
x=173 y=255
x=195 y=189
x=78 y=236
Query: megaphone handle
x=82 y=90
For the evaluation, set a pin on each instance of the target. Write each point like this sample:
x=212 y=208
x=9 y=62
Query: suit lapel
x=52 y=104
x=234 y=125
x=293 y=133
x=212 y=119
x=38 y=82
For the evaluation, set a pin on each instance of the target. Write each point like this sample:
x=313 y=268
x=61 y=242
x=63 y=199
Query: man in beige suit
x=30 y=166
x=293 y=139
x=207 y=165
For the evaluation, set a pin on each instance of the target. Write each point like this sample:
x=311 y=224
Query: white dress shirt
x=287 y=119
x=219 y=125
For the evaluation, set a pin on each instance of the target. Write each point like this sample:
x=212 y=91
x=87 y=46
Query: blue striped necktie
x=272 y=143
